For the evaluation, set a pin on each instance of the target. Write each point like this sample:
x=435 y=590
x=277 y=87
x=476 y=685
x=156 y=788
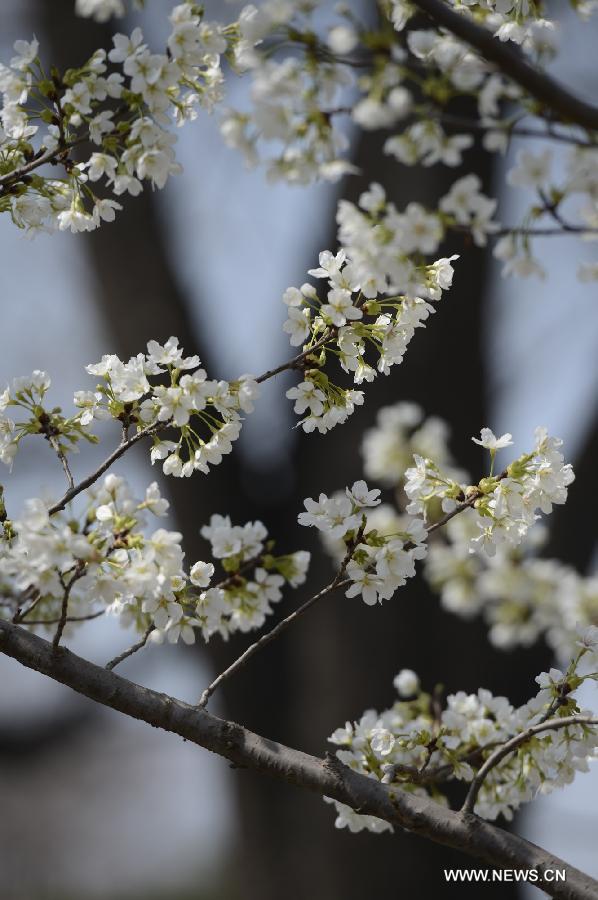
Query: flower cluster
x=414 y=745
x=102 y=561
x=105 y=561
x=152 y=392
x=402 y=431
x=239 y=603
x=26 y=395
x=299 y=100
x=505 y=505
x=302 y=85
x=289 y=104
x=130 y=145
x=379 y=290
x=376 y=563
x=100 y=10
x=163 y=388
x=521 y=596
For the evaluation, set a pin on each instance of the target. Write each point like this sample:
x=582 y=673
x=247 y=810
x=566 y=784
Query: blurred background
x=93 y=805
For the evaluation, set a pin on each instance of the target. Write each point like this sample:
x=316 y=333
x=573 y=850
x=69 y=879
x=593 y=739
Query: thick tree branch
x=327 y=777
x=538 y=84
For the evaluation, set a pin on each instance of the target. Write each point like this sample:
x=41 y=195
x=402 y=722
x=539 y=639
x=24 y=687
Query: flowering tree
x=71 y=142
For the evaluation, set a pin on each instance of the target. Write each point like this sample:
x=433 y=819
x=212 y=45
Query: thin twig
x=52 y=156
x=65 y=603
x=269 y=636
x=62 y=457
x=132 y=649
x=30 y=593
x=461 y=507
x=116 y=454
x=295 y=363
x=499 y=754
x=511 y=131
x=68 y=620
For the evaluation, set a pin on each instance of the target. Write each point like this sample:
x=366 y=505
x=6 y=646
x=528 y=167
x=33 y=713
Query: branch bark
x=326 y=777
x=538 y=84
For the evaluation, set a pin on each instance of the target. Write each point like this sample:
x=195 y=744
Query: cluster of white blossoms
x=376 y=563
x=25 y=396
x=421 y=743
x=504 y=506
x=303 y=84
x=130 y=142
x=289 y=100
x=239 y=603
x=99 y=10
x=484 y=543
x=522 y=597
x=401 y=431
x=105 y=561
x=151 y=392
x=298 y=102
x=379 y=290
x=205 y=413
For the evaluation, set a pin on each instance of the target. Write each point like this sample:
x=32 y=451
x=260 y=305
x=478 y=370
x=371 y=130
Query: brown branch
x=328 y=777
x=132 y=649
x=499 y=754
x=116 y=454
x=514 y=130
x=270 y=636
x=68 y=586
x=68 y=620
x=296 y=362
x=51 y=156
x=461 y=507
x=63 y=460
x=538 y=84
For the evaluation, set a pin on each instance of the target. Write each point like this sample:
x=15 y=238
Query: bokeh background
x=94 y=806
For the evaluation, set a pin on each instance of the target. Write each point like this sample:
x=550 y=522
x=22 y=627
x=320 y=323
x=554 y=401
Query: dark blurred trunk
x=342 y=657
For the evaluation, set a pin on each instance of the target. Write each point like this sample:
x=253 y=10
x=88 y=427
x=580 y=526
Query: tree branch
x=63 y=461
x=116 y=454
x=511 y=130
x=538 y=84
x=329 y=777
x=65 y=603
x=335 y=583
x=127 y=443
x=505 y=749
x=132 y=649
x=270 y=636
x=68 y=620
